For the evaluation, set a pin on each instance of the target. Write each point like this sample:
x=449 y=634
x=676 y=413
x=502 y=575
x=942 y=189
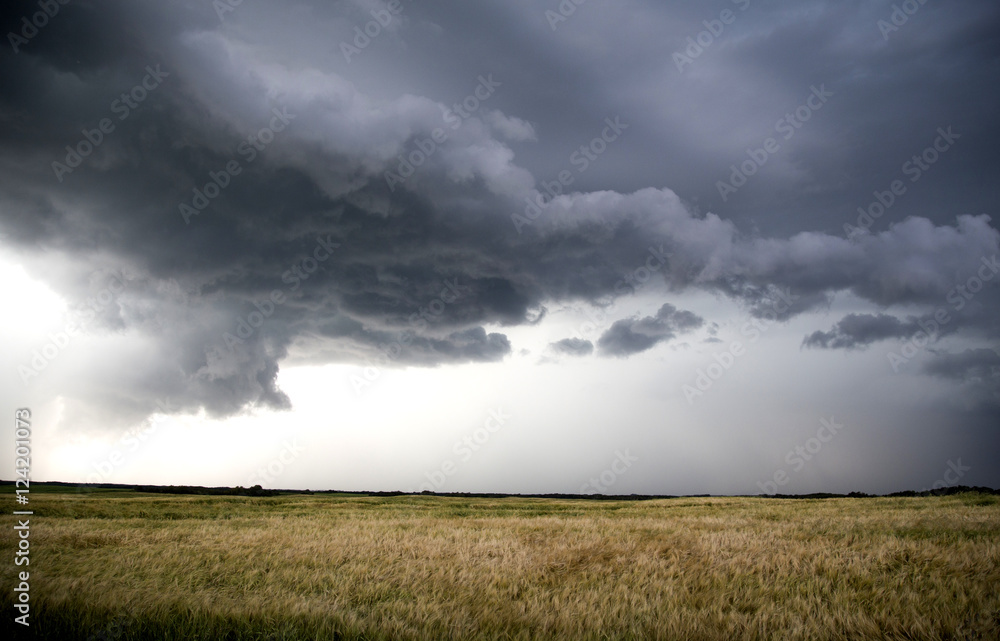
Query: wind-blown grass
x=135 y=566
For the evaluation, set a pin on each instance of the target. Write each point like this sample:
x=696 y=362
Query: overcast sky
x=515 y=246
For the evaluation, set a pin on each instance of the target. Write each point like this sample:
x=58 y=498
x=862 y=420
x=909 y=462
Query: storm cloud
x=633 y=335
x=856 y=331
x=263 y=193
x=972 y=363
x=572 y=347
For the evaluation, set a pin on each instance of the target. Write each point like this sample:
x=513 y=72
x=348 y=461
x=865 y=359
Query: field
x=124 y=565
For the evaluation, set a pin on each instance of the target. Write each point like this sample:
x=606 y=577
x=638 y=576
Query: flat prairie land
x=123 y=565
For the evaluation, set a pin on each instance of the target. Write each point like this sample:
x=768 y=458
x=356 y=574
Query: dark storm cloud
x=977 y=375
x=633 y=335
x=979 y=363
x=572 y=347
x=861 y=330
x=435 y=256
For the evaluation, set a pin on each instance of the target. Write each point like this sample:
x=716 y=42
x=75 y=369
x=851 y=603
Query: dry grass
x=135 y=566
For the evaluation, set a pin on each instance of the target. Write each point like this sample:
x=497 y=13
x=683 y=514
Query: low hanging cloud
x=975 y=372
x=858 y=331
x=633 y=335
x=572 y=347
x=972 y=364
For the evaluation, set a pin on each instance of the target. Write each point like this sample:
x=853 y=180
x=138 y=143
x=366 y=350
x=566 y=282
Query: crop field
x=123 y=565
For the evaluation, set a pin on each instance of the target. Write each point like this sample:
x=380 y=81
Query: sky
x=580 y=246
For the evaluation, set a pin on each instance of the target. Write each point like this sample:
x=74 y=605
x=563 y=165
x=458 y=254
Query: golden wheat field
x=124 y=565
